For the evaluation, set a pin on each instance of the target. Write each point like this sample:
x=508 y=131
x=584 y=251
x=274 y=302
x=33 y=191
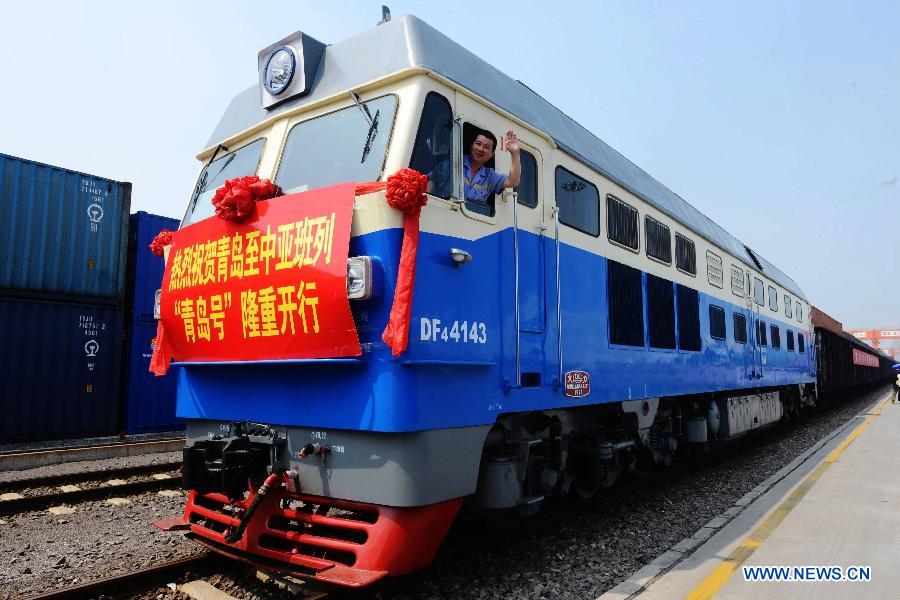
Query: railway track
x=75 y=478
x=133 y=582
x=67 y=492
x=190 y=575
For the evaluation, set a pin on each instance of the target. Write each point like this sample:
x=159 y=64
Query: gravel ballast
x=42 y=551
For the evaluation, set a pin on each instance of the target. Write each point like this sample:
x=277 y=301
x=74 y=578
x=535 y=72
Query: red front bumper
x=337 y=541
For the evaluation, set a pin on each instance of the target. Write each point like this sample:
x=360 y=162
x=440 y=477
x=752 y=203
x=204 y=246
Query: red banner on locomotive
x=273 y=287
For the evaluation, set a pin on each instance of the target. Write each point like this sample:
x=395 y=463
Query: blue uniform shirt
x=487 y=181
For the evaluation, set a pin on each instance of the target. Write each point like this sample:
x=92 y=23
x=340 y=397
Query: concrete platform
x=838 y=508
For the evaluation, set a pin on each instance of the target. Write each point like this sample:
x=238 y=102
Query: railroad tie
x=291 y=584
x=203 y=590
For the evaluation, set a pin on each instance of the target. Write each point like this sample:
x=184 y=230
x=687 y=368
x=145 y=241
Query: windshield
x=346 y=145
x=243 y=161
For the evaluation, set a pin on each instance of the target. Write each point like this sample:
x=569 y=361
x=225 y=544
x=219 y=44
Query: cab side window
x=433 y=150
x=486 y=207
x=527 y=190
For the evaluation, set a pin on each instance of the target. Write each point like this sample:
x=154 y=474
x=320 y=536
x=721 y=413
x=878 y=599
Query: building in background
x=886 y=339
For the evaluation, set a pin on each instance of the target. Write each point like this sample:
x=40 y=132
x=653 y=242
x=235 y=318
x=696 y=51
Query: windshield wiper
x=201 y=183
x=373 y=125
x=370 y=137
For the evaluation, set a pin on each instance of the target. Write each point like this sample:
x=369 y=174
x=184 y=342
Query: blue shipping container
x=145 y=270
x=60 y=366
x=151 y=399
x=62 y=233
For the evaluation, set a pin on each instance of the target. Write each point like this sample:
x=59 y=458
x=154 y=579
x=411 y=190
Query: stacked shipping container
x=149 y=401
x=62 y=283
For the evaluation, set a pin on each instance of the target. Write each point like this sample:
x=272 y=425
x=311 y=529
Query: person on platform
x=896 y=369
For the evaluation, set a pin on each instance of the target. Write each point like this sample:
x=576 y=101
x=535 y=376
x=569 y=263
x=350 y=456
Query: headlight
x=359 y=277
x=157 y=312
x=279 y=70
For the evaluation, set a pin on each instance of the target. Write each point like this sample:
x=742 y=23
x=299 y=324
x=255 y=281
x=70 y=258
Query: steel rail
x=43 y=501
x=118 y=586
x=82 y=476
x=14 y=460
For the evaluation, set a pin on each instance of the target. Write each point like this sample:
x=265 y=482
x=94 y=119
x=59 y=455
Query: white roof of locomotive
x=408 y=42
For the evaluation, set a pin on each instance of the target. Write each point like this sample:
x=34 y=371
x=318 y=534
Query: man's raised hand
x=510 y=142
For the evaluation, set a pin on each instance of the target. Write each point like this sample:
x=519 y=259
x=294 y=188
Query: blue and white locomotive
x=587 y=324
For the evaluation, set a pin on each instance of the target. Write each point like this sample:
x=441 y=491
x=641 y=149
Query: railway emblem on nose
x=578 y=384
x=91 y=348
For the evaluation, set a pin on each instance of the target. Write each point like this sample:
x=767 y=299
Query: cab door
x=521 y=245
x=531 y=264
x=530 y=251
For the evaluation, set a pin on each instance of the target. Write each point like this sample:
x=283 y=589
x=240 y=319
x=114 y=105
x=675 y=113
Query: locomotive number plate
x=471 y=332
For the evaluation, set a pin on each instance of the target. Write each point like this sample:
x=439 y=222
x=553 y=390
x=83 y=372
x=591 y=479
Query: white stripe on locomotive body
x=449 y=218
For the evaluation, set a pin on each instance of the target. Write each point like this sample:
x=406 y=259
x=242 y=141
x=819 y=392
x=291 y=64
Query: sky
x=780 y=121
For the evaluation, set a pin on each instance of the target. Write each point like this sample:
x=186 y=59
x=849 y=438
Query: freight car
x=588 y=324
x=844 y=362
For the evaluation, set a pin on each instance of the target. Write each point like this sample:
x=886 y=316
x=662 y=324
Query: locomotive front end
x=305 y=448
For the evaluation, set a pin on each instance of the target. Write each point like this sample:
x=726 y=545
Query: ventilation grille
x=716 y=322
x=761 y=333
x=659 y=240
x=714 y=272
x=685 y=254
x=737 y=281
x=621 y=223
x=626 y=304
x=660 y=312
x=740 y=328
x=776 y=337
x=688 y=318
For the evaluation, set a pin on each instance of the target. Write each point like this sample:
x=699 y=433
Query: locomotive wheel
x=586 y=493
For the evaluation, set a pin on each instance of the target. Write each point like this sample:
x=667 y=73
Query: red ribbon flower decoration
x=162 y=352
x=405 y=192
x=162 y=239
x=235 y=200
